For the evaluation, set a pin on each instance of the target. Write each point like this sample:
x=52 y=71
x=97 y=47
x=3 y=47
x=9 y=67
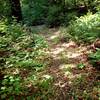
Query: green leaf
x=80 y=66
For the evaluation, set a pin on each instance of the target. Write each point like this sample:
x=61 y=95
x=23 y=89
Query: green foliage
x=86 y=28
x=19 y=48
x=80 y=66
x=70 y=16
x=22 y=52
x=4 y=8
x=46 y=82
x=34 y=11
x=54 y=16
x=95 y=59
x=43 y=85
x=10 y=86
x=44 y=11
x=55 y=12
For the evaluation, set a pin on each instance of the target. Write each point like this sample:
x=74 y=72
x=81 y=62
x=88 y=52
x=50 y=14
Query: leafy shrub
x=95 y=59
x=22 y=50
x=54 y=16
x=86 y=28
x=69 y=16
x=5 y=9
x=10 y=86
x=34 y=11
x=19 y=48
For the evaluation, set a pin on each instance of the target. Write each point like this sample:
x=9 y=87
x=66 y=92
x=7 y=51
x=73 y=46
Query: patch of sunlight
x=13 y=71
x=70 y=82
x=16 y=46
x=57 y=50
x=82 y=49
x=16 y=71
x=56 y=34
x=60 y=84
x=47 y=76
x=53 y=37
x=70 y=44
x=66 y=66
x=68 y=74
x=73 y=55
x=65 y=45
x=72 y=76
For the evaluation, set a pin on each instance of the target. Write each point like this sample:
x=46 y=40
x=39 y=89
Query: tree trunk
x=16 y=9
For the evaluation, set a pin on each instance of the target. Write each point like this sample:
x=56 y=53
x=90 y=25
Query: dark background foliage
x=49 y=12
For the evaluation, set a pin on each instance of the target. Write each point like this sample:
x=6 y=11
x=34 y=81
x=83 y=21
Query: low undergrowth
x=22 y=55
x=94 y=58
x=30 y=71
x=86 y=28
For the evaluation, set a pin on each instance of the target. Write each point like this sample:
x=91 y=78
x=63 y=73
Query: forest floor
x=73 y=77
x=66 y=75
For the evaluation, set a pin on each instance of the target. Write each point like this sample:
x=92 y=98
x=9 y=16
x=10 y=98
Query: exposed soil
x=65 y=57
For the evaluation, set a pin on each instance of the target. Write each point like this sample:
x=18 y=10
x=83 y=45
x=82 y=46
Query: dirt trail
x=64 y=59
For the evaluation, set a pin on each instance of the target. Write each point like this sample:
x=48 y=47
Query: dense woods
x=49 y=49
x=16 y=9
